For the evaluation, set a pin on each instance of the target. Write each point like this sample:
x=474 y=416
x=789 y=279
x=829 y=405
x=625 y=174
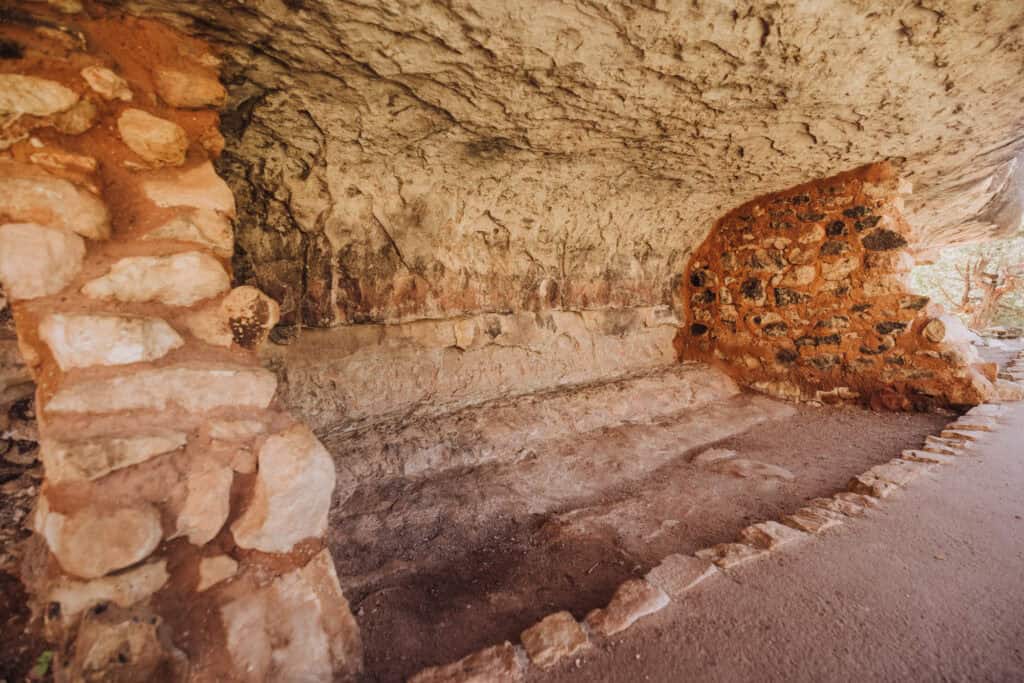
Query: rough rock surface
x=37 y=261
x=553 y=637
x=79 y=341
x=393 y=161
x=177 y=280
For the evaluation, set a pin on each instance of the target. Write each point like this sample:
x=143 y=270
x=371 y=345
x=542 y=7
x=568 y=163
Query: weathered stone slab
x=813 y=520
x=633 y=600
x=235 y=430
x=838 y=505
x=198 y=187
x=176 y=280
x=295 y=480
x=552 y=638
x=676 y=574
x=91 y=459
x=986 y=410
x=53 y=202
x=106 y=83
x=770 y=535
x=199 y=226
x=1008 y=392
x=195 y=387
x=974 y=423
x=960 y=435
x=38 y=261
x=80 y=341
x=123 y=590
x=188 y=89
x=93 y=542
x=158 y=141
x=899 y=472
x=498 y=664
x=927 y=457
x=871 y=485
x=728 y=555
x=857 y=499
x=34 y=96
x=213 y=570
x=207 y=504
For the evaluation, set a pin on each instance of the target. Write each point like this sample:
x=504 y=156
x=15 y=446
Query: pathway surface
x=928 y=587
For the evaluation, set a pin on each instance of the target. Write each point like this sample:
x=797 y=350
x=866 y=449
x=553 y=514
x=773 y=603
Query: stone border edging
x=559 y=635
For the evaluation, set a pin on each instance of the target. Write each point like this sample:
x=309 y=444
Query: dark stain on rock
x=833 y=248
x=10 y=49
x=855 y=211
x=884 y=240
x=697 y=329
x=776 y=329
x=752 y=288
x=890 y=326
x=835 y=229
x=786 y=356
x=788 y=297
x=866 y=222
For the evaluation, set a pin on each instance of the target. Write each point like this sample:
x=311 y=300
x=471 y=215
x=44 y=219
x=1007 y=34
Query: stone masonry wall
x=180 y=524
x=801 y=294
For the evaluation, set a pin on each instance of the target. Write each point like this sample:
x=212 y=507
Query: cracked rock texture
x=397 y=160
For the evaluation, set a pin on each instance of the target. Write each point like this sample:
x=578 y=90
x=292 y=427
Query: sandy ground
x=930 y=587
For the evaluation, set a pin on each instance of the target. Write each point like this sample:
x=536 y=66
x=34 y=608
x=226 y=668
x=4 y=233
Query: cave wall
x=396 y=161
x=803 y=294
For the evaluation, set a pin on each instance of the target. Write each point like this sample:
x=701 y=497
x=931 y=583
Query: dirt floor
x=928 y=587
x=440 y=567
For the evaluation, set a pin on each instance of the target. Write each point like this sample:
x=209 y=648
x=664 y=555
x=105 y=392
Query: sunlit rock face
x=395 y=160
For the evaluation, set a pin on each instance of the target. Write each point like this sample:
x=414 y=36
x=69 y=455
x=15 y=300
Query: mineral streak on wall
x=802 y=294
x=180 y=523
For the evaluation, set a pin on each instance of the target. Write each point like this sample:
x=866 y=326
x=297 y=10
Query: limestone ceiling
x=620 y=128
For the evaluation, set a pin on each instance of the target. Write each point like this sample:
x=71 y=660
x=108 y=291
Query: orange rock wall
x=801 y=294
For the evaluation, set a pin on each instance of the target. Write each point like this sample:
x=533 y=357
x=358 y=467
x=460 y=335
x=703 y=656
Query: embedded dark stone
x=747 y=218
x=868 y=351
x=787 y=297
x=835 y=229
x=866 y=222
x=780 y=225
x=840 y=291
x=834 y=247
x=9 y=49
x=825 y=361
x=884 y=240
x=860 y=308
x=752 y=288
x=786 y=356
x=699 y=278
x=896 y=360
x=806 y=341
x=889 y=327
x=698 y=329
x=836 y=322
x=801 y=199
x=776 y=329
x=914 y=302
x=855 y=212
x=810 y=217
x=829 y=340
x=706 y=296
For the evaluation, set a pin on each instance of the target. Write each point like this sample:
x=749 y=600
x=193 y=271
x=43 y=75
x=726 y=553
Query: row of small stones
x=559 y=635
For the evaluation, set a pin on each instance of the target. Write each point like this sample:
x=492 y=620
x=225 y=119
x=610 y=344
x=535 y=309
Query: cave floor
x=927 y=587
x=437 y=567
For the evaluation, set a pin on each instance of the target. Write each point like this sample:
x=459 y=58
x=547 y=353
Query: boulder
x=243 y=318
x=676 y=574
x=106 y=83
x=497 y=664
x=121 y=646
x=34 y=96
x=633 y=599
x=207 y=504
x=90 y=459
x=195 y=387
x=93 y=542
x=299 y=628
x=124 y=589
x=552 y=638
x=176 y=280
x=79 y=341
x=199 y=187
x=38 y=261
x=188 y=89
x=294 y=484
x=54 y=202
x=199 y=226
x=158 y=141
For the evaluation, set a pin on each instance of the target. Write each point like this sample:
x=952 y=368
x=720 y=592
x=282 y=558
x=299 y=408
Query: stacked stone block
x=802 y=294
x=180 y=525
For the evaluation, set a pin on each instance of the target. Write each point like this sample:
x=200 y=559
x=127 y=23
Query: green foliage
x=943 y=280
